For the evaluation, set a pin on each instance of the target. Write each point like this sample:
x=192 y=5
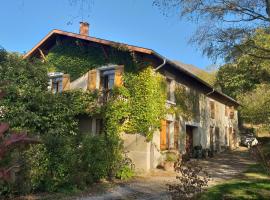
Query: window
x=85 y=124
x=212 y=109
x=106 y=83
x=168 y=139
x=107 y=80
x=55 y=82
x=170 y=90
x=57 y=85
x=99 y=126
x=88 y=125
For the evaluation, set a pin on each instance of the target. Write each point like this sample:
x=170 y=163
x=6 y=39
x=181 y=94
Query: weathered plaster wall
x=138 y=150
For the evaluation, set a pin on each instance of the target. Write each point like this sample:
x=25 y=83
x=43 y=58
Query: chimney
x=84 y=28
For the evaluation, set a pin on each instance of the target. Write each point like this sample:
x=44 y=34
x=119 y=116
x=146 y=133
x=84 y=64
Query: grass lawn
x=252 y=184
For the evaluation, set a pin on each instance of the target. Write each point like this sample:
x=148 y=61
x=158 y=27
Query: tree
x=256 y=105
x=246 y=70
x=223 y=24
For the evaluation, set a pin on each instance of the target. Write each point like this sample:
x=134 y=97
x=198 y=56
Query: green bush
x=93 y=158
x=125 y=173
x=171 y=157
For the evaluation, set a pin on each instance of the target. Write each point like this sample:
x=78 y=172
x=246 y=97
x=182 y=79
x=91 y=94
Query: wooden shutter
x=163 y=138
x=231 y=112
x=226 y=111
x=92 y=80
x=118 y=76
x=66 y=82
x=176 y=134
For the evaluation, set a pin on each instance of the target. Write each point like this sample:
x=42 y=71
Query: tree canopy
x=222 y=24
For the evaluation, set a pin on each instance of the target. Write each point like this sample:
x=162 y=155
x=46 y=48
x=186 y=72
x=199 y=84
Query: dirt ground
x=153 y=185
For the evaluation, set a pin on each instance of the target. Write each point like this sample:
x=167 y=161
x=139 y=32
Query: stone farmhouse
x=213 y=128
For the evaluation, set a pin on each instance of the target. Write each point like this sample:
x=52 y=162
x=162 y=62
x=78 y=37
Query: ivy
x=147 y=101
x=187 y=103
x=136 y=107
x=142 y=102
x=76 y=59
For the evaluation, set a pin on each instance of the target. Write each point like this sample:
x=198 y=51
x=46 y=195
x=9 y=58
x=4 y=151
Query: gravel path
x=223 y=166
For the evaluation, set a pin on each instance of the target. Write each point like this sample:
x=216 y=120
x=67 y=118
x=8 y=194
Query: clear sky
x=25 y=22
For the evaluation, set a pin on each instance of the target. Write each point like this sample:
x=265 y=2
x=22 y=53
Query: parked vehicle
x=248 y=140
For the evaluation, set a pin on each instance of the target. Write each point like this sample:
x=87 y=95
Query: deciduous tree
x=222 y=24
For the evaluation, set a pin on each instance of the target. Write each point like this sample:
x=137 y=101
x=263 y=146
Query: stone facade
x=215 y=133
x=214 y=125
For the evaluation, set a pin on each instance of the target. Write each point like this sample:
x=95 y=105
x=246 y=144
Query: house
x=213 y=127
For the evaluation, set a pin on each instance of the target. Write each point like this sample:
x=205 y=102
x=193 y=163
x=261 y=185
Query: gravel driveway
x=152 y=186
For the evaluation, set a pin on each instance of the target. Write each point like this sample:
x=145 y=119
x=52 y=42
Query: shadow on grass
x=253 y=184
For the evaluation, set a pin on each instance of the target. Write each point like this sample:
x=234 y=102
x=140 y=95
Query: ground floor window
x=169 y=135
x=89 y=125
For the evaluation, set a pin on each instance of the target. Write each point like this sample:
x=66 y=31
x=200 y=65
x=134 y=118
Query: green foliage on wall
x=76 y=59
x=138 y=106
x=147 y=101
x=28 y=106
x=66 y=159
x=187 y=103
x=142 y=89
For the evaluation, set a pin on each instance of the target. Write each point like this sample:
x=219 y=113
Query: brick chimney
x=84 y=28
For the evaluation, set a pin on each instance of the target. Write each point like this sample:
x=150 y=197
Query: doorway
x=189 y=139
x=212 y=139
x=217 y=139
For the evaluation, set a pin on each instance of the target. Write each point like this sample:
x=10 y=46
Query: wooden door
x=230 y=138
x=212 y=139
x=217 y=139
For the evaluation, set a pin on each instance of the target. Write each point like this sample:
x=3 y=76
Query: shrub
x=93 y=158
x=192 y=180
x=261 y=154
x=125 y=169
x=171 y=157
x=125 y=172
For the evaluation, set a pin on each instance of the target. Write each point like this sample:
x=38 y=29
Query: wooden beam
x=42 y=54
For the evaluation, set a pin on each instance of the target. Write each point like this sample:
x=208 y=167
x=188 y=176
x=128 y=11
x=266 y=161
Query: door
x=176 y=135
x=212 y=139
x=189 y=139
x=217 y=139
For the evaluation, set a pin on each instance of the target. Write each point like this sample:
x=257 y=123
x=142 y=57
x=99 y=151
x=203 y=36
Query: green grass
x=252 y=184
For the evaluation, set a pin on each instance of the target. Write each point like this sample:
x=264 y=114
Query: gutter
x=160 y=66
x=210 y=92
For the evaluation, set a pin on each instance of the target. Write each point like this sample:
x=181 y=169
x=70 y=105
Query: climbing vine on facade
x=187 y=103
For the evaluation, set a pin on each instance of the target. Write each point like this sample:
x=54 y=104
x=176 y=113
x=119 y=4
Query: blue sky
x=25 y=22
